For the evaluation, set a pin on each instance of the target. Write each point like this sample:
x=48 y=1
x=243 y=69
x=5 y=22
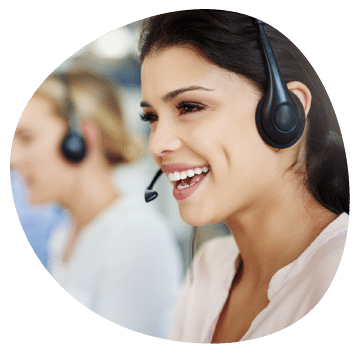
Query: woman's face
x=36 y=152
x=203 y=116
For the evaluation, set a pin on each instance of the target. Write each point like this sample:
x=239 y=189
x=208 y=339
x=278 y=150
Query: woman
x=115 y=255
x=203 y=75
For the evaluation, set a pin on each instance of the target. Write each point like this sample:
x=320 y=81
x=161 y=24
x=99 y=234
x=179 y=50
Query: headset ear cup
x=74 y=147
x=268 y=129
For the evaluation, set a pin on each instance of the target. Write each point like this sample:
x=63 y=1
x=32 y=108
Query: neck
x=91 y=194
x=277 y=231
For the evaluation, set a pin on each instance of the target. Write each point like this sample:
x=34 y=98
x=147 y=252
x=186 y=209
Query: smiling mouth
x=190 y=173
x=188 y=178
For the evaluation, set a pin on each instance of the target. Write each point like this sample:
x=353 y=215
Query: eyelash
x=183 y=107
x=148 y=117
x=191 y=106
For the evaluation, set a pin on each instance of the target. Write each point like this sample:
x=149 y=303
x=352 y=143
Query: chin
x=38 y=200
x=198 y=217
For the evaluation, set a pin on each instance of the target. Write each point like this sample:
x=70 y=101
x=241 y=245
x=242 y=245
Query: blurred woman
x=115 y=255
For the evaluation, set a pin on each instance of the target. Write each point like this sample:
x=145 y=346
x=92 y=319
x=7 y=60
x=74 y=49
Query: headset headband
x=73 y=145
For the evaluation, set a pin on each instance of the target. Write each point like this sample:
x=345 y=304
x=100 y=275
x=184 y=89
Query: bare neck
x=91 y=194
x=277 y=231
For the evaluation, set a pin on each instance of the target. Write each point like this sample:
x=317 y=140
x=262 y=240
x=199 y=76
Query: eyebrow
x=171 y=95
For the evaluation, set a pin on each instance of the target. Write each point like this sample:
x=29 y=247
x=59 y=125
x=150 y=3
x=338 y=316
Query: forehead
x=38 y=111
x=176 y=67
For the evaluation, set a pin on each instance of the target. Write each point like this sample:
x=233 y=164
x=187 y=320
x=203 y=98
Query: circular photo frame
x=42 y=290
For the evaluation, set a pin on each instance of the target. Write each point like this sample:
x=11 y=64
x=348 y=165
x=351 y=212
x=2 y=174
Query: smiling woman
x=197 y=134
x=286 y=204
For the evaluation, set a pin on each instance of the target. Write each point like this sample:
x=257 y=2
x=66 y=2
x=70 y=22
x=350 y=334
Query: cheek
x=49 y=166
x=52 y=180
x=244 y=150
x=46 y=154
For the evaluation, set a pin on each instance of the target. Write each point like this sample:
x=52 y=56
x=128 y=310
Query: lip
x=171 y=168
x=187 y=192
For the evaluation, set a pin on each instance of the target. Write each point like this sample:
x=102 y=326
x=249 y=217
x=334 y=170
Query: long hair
x=231 y=41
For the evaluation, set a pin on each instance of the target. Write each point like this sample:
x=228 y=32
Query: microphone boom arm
x=150 y=194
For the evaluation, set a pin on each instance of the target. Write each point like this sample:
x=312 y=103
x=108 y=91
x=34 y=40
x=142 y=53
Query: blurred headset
x=73 y=146
x=280 y=117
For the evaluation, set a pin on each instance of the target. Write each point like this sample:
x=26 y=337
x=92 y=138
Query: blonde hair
x=95 y=99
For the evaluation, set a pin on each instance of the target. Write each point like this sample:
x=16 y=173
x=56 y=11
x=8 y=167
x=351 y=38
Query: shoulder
x=317 y=265
x=329 y=245
x=133 y=230
x=326 y=251
x=127 y=212
x=134 y=216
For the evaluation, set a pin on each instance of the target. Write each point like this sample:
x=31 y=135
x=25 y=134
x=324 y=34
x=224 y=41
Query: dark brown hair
x=231 y=41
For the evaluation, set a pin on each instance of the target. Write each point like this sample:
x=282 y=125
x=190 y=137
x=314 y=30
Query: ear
x=91 y=134
x=302 y=93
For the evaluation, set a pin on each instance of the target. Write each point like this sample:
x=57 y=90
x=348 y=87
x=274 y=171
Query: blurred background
x=115 y=56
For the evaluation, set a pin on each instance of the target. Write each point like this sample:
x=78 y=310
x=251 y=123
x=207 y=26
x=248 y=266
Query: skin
x=49 y=178
x=251 y=187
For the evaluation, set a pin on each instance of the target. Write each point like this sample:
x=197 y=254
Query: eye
x=149 y=117
x=188 y=107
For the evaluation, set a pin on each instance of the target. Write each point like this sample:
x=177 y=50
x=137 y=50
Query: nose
x=164 y=139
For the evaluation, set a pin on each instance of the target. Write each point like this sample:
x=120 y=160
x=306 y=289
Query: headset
x=73 y=146
x=280 y=117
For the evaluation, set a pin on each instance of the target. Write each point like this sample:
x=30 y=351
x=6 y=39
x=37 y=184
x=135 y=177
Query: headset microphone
x=150 y=194
x=280 y=117
x=73 y=145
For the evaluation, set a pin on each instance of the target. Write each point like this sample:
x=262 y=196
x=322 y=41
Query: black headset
x=73 y=145
x=280 y=117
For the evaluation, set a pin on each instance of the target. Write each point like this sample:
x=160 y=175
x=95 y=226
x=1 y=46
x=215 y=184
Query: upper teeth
x=189 y=173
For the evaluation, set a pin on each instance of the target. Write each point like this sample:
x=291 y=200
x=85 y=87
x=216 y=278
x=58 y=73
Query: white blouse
x=293 y=291
x=125 y=266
